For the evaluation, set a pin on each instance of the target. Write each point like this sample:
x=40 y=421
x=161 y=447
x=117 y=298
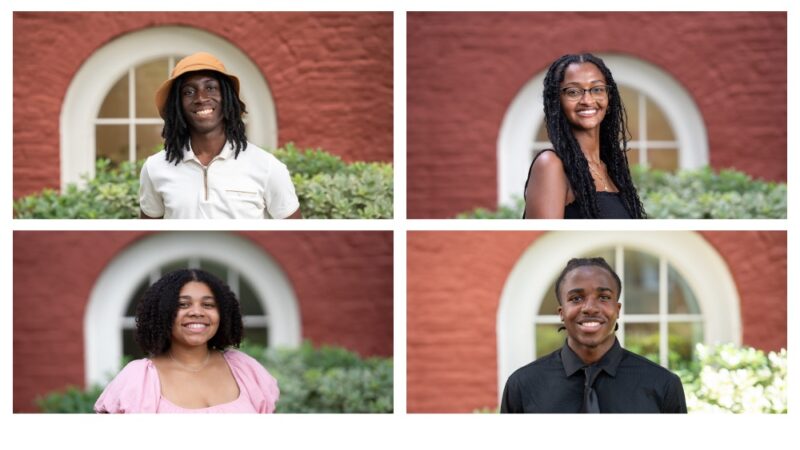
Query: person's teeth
x=204 y=112
x=195 y=325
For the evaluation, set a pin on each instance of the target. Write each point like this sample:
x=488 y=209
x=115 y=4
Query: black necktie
x=590 y=403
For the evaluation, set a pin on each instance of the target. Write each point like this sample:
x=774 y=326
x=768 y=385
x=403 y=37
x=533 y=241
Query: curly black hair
x=158 y=308
x=176 y=131
x=613 y=140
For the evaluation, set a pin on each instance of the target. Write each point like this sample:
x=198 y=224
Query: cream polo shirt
x=255 y=185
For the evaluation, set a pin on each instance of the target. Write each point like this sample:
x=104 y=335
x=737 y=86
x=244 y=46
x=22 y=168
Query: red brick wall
x=454 y=284
x=343 y=283
x=465 y=68
x=330 y=75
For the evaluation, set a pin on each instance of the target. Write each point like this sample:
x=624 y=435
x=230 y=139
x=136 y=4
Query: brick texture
x=454 y=284
x=342 y=280
x=330 y=75
x=465 y=68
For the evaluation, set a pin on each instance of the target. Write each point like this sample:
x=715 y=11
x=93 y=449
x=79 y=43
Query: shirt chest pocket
x=244 y=197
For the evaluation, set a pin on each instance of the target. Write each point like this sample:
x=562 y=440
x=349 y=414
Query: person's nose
x=586 y=97
x=590 y=305
x=196 y=310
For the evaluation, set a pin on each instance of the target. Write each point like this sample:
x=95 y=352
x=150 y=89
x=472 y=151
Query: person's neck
x=589 y=141
x=590 y=355
x=206 y=146
x=190 y=356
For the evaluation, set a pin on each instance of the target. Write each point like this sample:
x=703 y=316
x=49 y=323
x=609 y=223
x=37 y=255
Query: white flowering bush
x=732 y=379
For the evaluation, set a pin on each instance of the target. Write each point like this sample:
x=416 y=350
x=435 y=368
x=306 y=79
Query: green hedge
x=688 y=194
x=311 y=380
x=328 y=379
x=328 y=188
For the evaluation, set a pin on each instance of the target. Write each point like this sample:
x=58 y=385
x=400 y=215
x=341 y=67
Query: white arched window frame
x=526 y=114
x=107 y=65
x=105 y=312
x=703 y=269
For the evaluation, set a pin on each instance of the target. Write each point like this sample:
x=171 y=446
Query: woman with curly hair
x=188 y=322
x=585 y=175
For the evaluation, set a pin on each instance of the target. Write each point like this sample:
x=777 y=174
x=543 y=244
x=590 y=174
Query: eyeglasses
x=575 y=93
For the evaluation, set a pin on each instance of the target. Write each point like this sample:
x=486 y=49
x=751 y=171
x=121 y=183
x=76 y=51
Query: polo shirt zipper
x=205 y=177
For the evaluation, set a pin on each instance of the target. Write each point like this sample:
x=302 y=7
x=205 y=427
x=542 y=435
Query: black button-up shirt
x=627 y=383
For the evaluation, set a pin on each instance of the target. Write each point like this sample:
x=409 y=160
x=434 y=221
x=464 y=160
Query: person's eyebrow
x=575 y=291
x=189 y=297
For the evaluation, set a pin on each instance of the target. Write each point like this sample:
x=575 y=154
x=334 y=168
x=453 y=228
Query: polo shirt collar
x=609 y=362
x=227 y=152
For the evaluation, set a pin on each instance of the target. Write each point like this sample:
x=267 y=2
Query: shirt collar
x=227 y=152
x=609 y=362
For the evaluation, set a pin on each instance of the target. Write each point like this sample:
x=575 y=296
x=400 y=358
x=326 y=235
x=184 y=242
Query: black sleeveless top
x=609 y=204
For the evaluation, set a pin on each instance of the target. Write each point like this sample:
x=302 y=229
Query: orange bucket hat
x=192 y=63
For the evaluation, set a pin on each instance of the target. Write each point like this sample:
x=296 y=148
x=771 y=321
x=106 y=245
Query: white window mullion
x=663 y=312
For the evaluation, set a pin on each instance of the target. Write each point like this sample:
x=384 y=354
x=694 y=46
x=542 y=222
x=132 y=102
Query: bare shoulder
x=548 y=188
x=548 y=163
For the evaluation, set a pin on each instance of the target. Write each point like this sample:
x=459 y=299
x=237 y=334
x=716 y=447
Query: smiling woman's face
x=197 y=319
x=587 y=112
x=589 y=307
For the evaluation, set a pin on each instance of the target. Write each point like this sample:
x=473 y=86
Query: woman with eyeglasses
x=585 y=175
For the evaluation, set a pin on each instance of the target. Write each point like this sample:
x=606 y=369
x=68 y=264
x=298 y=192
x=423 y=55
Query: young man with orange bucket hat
x=207 y=169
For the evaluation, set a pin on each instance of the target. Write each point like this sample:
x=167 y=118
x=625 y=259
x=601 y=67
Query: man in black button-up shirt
x=592 y=372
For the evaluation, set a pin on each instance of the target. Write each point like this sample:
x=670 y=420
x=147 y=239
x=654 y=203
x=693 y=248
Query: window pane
x=549 y=304
x=112 y=142
x=658 y=128
x=642 y=339
x=149 y=77
x=248 y=299
x=681 y=298
x=630 y=98
x=633 y=156
x=115 y=105
x=663 y=159
x=148 y=140
x=257 y=335
x=641 y=283
x=541 y=135
x=179 y=264
x=131 y=311
x=218 y=270
x=682 y=339
x=548 y=339
x=130 y=348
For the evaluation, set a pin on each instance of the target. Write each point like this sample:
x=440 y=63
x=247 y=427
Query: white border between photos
x=399 y=430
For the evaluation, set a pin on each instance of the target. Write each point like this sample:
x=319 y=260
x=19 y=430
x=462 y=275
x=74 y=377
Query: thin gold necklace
x=191 y=369
x=598 y=175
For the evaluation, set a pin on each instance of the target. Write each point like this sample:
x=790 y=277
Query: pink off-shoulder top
x=137 y=389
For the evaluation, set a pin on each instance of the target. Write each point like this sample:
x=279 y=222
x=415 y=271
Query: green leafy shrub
x=734 y=379
x=328 y=188
x=688 y=194
x=71 y=400
x=112 y=194
x=328 y=379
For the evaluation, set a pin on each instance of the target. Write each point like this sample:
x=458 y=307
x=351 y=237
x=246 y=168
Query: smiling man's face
x=201 y=99
x=589 y=308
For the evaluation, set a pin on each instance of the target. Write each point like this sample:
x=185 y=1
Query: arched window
x=108 y=110
x=666 y=126
x=268 y=302
x=677 y=292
